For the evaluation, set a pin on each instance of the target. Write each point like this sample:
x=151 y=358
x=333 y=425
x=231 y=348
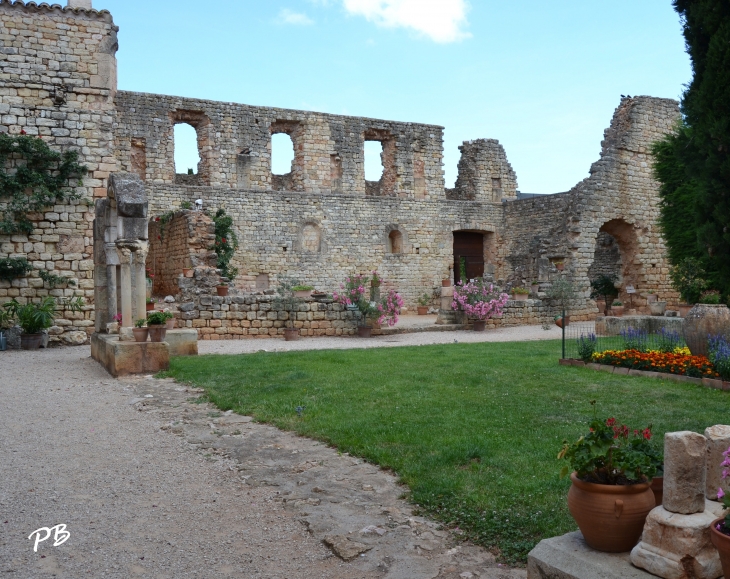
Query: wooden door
x=470 y=247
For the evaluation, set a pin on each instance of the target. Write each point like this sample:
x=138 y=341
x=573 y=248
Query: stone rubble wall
x=58 y=73
x=235 y=147
x=607 y=260
x=183 y=242
x=484 y=173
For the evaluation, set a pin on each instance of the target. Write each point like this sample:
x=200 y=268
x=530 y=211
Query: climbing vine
x=32 y=177
x=226 y=243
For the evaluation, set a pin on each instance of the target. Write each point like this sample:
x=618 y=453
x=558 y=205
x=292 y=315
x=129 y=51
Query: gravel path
x=513 y=334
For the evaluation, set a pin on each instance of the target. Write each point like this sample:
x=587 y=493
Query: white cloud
x=287 y=16
x=441 y=20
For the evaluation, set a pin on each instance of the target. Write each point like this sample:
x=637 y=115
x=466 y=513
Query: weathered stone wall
x=607 y=259
x=234 y=142
x=484 y=173
x=185 y=241
x=57 y=81
x=619 y=197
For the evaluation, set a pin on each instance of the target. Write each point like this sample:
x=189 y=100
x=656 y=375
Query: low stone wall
x=262 y=316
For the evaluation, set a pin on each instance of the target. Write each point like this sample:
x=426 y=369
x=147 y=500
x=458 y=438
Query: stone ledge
x=123 y=358
x=569 y=557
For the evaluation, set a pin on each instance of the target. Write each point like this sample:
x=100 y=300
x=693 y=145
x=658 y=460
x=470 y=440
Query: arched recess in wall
x=310 y=240
x=396 y=240
x=200 y=122
x=615 y=253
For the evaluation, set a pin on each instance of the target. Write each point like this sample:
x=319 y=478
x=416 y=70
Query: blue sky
x=542 y=77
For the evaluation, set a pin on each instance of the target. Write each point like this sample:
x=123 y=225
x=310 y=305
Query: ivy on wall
x=226 y=243
x=32 y=177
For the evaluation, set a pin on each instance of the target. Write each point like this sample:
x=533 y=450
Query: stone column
x=140 y=297
x=685 y=456
x=125 y=258
x=111 y=290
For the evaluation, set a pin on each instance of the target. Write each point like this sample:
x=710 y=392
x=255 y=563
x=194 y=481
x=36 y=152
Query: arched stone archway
x=616 y=250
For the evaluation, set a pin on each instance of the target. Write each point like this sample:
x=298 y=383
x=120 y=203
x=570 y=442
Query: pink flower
x=720 y=493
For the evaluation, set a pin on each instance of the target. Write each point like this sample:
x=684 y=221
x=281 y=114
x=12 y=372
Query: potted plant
x=559 y=265
x=617 y=308
x=302 y=291
x=188 y=271
x=6 y=322
x=520 y=293
x=423 y=303
x=720 y=528
x=222 y=290
x=688 y=278
x=225 y=246
x=611 y=495
x=289 y=302
x=534 y=286
x=603 y=289
x=150 y=305
x=651 y=297
x=385 y=311
x=140 y=330
x=170 y=323
x=34 y=317
x=157 y=326
x=479 y=301
x=562 y=293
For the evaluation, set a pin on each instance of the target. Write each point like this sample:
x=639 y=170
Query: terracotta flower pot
x=560 y=266
x=520 y=297
x=422 y=310
x=601 y=305
x=657 y=487
x=364 y=331
x=150 y=307
x=559 y=321
x=221 y=290
x=445 y=283
x=617 y=311
x=479 y=325
x=534 y=288
x=140 y=334
x=303 y=293
x=157 y=332
x=30 y=341
x=651 y=298
x=291 y=334
x=704 y=320
x=611 y=517
x=170 y=324
x=684 y=309
x=187 y=272
x=722 y=544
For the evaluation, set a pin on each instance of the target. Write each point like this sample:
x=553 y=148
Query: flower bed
x=677 y=362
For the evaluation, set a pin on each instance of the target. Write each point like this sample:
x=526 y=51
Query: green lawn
x=472 y=429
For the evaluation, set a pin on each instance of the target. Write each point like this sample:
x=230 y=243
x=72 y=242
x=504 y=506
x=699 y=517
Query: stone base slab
x=569 y=557
x=122 y=358
x=183 y=342
x=676 y=546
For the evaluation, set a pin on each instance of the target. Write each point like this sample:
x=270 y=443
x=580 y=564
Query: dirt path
x=151 y=484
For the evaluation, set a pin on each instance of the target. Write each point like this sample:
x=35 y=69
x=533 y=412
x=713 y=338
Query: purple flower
x=720 y=493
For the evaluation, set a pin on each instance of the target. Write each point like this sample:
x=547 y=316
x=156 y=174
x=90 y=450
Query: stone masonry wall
x=185 y=241
x=484 y=173
x=57 y=81
x=234 y=141
x=619 y=198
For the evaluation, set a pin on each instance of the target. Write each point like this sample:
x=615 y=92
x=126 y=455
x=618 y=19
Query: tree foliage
x=32 y=177
x=693 y=164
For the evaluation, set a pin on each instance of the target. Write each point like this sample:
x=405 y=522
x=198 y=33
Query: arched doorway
x=615 y=253
x=469 y=247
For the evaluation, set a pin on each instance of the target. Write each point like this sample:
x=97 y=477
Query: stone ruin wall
x=57 y=81
x=619 y=197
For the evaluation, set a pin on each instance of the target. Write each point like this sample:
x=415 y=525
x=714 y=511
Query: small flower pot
x=520 y=297
x=657 y=308
x=157 y=332
x=170 y=324
x=221 y=290
x=559 y=322
x=422 y=310
x=560 y=266
x=364 y=331
x=291 y=334
x=30 y=341
x=150 y=307
x=722 y=544
x=303 y=294
x=187 y=272
x=651 y=298
x=534 y=288
x=617 y=311
x=445 y=283
x=140 y=334
x=479 y=325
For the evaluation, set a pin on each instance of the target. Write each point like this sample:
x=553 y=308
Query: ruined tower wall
x=484 y=173
x=234 y=143
x=57 y=81
x=619 y=197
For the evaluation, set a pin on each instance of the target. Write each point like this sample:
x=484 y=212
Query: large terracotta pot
x=364 y=331
x=479 y=325
x=291 y=334
x=157 y=332
x=140 y=334
x=601 y=305
x=617 y=311
x=722 y=544
x=701 y=321
x=611 y=517
x=30 y=341
x=422 y=310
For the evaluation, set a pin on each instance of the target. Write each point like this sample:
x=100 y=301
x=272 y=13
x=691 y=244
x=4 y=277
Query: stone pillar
x=685 y=460
x=140 y=291
x=111 y=291
x=125 y=287
x=718 y=441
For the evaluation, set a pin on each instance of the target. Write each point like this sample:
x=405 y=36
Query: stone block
x=123 y=358
x=718 y=441
x=685 y=459
x=569 y=557
x=677 y=546
x=182 y=342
